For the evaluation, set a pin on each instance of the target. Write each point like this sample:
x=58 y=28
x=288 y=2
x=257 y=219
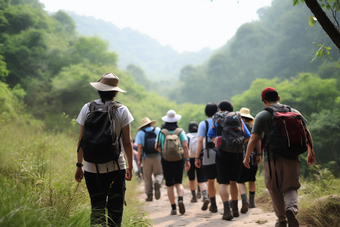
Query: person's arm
x=251 y=146
x=199 y=148
x=80 y=157
x=139 y=156
x=127 y=144
x=259 y=152
x=186 y=154
x=158 y=145
x=311 y=154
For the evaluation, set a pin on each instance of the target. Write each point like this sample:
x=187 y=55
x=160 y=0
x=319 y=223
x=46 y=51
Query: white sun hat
x=171 y=117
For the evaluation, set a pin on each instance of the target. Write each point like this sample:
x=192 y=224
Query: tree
x=330 y=28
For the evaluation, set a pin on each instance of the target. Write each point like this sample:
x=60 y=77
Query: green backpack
x=172 y=150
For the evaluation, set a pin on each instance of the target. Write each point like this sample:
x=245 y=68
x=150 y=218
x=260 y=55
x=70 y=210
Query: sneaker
x=244 y=208
x=292 y=221
x=205 y=204
x=227 y=216
x=157 y=187
x=281 y=224
x=181 y=207
x=194 y=199
x=236 y=213
x=213 y=209
x=149 y=198
x=173 y=212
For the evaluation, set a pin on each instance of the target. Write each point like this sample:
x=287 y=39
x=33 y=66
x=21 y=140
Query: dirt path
x=159 y=212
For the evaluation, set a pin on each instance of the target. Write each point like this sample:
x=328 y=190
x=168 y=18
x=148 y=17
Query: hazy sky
x=186 y=25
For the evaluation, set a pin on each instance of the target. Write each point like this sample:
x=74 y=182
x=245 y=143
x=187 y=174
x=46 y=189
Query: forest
x=46 y=67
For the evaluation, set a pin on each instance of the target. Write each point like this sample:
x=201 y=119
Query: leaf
x=311 y=21
x=295 y=2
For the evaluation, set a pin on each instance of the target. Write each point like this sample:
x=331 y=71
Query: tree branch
x=327 y=25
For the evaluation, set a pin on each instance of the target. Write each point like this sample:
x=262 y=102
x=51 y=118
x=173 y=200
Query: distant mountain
x=133 y=47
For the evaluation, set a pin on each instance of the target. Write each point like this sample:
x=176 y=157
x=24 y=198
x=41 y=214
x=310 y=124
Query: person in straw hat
x=106 y=181
x=173 y=170
x=248 y=175
x=150 y=157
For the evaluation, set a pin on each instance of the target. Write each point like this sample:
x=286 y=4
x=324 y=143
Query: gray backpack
x=172 y=150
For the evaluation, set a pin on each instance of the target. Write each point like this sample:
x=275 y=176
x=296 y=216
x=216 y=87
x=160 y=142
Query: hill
x=133 y=47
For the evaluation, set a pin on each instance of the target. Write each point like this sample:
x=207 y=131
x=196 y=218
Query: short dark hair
x=225 y=105
x=193 y=126
x=271 y=96
x=106 y=94
x=210 y=109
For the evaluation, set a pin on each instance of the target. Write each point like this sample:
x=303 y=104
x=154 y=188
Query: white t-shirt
x=123 y=117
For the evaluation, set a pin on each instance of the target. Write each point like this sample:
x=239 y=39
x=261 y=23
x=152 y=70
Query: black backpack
x=231 y=130
x=100 y=143
x=149 y=142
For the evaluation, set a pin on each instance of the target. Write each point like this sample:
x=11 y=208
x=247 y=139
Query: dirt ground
x=159 y=213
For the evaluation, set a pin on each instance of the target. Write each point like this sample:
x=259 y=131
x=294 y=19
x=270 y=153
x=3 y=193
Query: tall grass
x=37 y=186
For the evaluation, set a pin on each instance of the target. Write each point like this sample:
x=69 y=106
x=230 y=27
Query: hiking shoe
x=181 y=207
x=236 y=213
x=213 y=209
x=227 y=216
x=157 y=187
x=235 y=209
x=252 y=201
x=149 y=198
x=173 y=212
x=244 y=208
x=292 y=221
x=194 y=199
x=281 y=224
x=198 y=194
x=205 y=204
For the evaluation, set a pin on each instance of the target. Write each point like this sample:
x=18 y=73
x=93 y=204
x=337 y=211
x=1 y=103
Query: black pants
x=103 y=197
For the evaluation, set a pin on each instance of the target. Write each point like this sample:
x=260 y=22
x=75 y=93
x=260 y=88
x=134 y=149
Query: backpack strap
x=111 y=109
x=177 y=131
x=165 y=132
x=207 y=148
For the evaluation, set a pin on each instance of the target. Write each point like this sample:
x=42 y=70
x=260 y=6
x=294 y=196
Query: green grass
x=37 y=186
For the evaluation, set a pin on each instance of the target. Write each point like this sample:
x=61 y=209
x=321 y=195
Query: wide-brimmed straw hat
x=171 y=117
x=245 y=112
x=145 y=121
x=108 y=82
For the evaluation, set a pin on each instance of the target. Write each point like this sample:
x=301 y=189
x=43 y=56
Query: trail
x=159 y=212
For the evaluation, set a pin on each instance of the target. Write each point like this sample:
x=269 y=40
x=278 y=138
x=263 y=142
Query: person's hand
x=258 y=159
x=139 y=163
x=79 y=174
x=128 y=175
x=187 y=165
x=198 y=163
x=246 y=162
x=310 y=158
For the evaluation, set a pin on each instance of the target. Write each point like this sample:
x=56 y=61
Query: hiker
x=249 y=175
x=105 y=168
x=231 y=131
x=171 y=142
x=205 y=158
x=151 y=158
x=192 y=145
x=136 y=168
x=281 y=160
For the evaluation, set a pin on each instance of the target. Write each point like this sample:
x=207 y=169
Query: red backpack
x=289 y=135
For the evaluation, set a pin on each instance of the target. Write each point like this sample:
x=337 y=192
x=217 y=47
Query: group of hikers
x=227 y=147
